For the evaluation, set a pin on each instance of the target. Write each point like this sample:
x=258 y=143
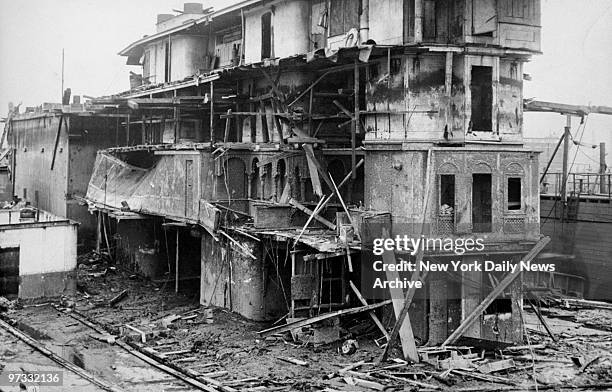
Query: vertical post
x=311 y=113
x=98 y=232
x=565 y=159
x=177 y=116
x=143 y=137
x=127 y=131
x=356 y=123
x=292 y=310
x=212 y=113
x=176 y=263
x=602 y=168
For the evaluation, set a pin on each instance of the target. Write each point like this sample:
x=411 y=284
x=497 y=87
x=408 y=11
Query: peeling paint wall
x=423 y=110
x=33 y=140
x=232 y=280
x=395 y=182
x=387 y=21
x=290 y=29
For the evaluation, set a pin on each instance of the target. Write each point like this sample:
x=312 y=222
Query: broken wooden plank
x=373 y=316
x=118 y=298
x=75 y=314
x=105 y=338
x=541 y=318
x=307 y=211
x=409 y=381
x=325 y=316
x=286 y=195
x=402 y=327
x=348 y=214
x=467 y=322
x=312 y=168
x=496 y=366
x=239 y=245
x=408 y=344
x=364 y=383
x=143 y=338
x=293 y=361
x=483 y=377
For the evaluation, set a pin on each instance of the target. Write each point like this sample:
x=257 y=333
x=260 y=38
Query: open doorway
x=482 y=98
x=481 y=203
x=9 y=273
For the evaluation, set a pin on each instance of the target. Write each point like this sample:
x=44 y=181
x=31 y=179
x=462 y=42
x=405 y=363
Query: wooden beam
x=540 y=317
x=312 y=168
x=344 y=110
x=310 y=155
x=467 y=322
x=228 y=122
x=356 y=123
x=325 y=316
x=401 y=304
x=307 y=211
x=373 y=316
x=275 y=88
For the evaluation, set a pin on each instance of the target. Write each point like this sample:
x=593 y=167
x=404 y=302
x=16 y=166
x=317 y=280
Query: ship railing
x=584 y=184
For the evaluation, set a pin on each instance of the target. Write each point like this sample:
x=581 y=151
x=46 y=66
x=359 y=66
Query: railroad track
x=130 y=369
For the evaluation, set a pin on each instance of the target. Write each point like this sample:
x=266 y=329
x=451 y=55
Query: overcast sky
x=576 y=66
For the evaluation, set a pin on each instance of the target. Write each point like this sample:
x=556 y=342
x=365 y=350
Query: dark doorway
x=266 y=35
x=514 y=193
x=9 y=272
x=481 y=203
x=482 y=98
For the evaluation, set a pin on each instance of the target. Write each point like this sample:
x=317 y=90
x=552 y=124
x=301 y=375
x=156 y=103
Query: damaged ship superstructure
x=266 y=144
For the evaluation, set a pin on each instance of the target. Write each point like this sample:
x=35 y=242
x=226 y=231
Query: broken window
x=482 y=98
x=447 y=192
x=266 y=35
x=481 y=203
x=484 y=17
x=525 y=12
x=514 y=193
x=344 y=15
x=446 y=213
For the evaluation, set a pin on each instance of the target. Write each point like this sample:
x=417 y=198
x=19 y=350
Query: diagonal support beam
x=402 y=327
x=511 y=277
